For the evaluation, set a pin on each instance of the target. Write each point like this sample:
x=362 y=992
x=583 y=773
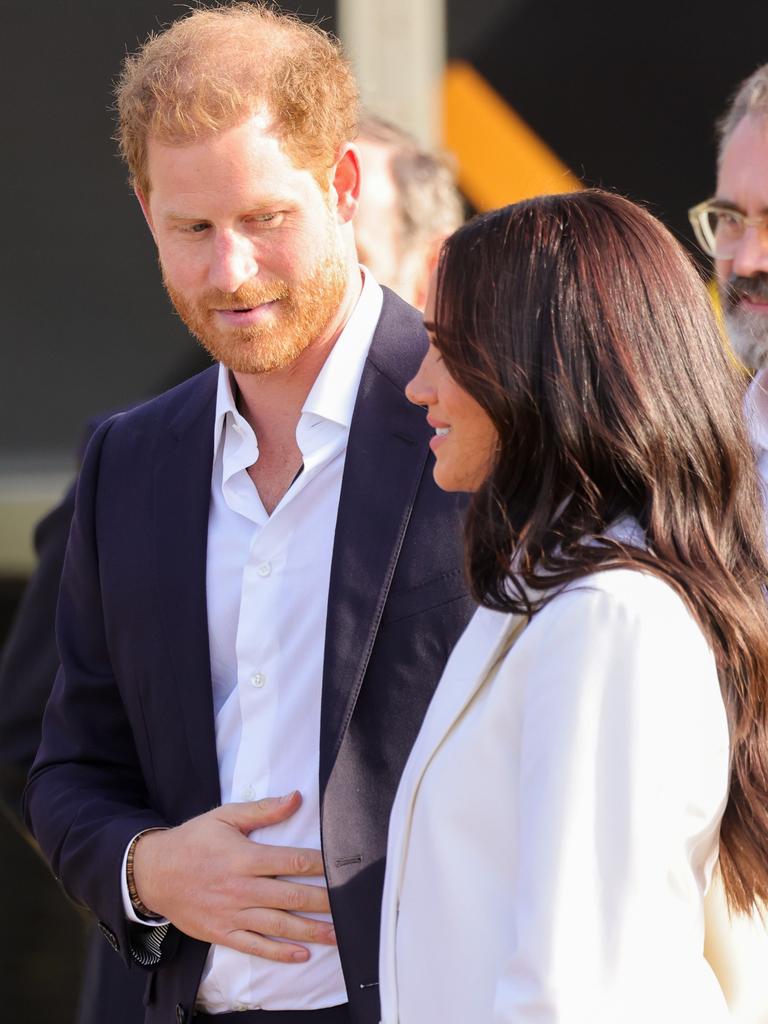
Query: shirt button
x=258 y=679
x=265 y=569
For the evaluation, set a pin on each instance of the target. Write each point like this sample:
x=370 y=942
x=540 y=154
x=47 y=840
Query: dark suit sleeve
x=86 y=796
x=30 y=659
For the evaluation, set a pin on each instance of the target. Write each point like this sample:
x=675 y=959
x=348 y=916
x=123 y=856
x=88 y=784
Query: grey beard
x=748 y=335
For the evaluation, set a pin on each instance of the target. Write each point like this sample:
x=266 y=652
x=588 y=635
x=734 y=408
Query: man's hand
x=217 y=885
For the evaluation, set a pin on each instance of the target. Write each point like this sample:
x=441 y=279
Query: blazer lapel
x=181 y=501
x=474 y=662
x=471 y=666
x=386 y=457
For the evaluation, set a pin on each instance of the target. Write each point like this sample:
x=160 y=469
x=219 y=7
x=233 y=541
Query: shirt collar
x=334 y=392
x=332 y=396
x=756 y=410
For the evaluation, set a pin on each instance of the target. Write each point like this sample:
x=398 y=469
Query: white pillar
x=398 y=50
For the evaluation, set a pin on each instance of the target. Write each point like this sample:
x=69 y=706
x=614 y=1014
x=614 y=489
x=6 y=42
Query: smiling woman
x=599 y=737
x=465 y=437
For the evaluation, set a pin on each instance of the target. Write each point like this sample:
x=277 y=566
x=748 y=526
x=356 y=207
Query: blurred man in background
x=732 y=227
x=409 y=202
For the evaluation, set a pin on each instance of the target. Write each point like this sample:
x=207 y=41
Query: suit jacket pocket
x=424 y=597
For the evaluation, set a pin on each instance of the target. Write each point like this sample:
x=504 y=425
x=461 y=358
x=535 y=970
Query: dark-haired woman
x=599 y=736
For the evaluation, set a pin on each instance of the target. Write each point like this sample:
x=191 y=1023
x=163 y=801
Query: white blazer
x=557 y=823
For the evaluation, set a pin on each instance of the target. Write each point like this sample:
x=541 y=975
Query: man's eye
x=727 y=219
x=267 y=219
x=196 y=229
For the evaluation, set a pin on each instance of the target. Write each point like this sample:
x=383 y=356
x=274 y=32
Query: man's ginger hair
x=215 y=67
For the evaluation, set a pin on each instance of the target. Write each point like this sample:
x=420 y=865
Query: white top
x=557 y=822
x=267 y=582
x=756 y=414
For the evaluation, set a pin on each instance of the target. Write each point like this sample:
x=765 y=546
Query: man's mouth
x=245 y=315
x=750 y=293
x=245 y=309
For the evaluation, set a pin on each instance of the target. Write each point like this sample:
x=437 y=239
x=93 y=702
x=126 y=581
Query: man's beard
x=747 y=329
x=302 y=313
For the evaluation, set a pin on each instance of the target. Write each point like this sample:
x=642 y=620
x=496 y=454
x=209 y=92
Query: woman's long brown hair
x=587 y=335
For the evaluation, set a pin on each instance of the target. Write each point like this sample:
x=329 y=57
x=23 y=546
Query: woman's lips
x=438 y=438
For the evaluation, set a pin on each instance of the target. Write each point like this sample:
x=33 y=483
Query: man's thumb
x=252 y=814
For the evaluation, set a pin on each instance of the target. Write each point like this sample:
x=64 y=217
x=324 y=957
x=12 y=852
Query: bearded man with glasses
x=732 y=227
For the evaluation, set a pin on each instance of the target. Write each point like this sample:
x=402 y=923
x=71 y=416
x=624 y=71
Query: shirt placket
x=258 y=663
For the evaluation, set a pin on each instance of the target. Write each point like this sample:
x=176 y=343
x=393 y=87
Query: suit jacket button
x=181 y=1015
x=110 y=936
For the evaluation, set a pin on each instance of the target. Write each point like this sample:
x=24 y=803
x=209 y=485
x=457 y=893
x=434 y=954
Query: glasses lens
x=725 y=229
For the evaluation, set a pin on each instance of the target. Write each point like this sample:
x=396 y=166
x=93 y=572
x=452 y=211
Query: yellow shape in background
x=501 y=160
x=717 y=305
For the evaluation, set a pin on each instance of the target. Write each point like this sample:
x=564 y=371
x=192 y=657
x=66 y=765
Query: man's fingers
x=267 y=949
x=286 y=861
x=253 y=814
x=279 y=895
x=277 y=924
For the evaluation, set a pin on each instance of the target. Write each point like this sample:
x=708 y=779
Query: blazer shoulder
x=625 y=609
x=399 y=341
x=173 y=410
x=633 y=591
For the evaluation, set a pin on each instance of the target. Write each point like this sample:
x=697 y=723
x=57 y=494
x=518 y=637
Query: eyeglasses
x=719 y=229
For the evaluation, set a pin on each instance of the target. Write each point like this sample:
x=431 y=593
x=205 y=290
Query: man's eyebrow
x=171 y=215
x=726 y=204
x=266 y=205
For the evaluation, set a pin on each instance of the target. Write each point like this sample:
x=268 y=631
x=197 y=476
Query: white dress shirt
x=557 y=822
x=267 y=580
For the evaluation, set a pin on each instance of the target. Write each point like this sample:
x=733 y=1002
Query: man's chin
x=252 y=355
x=748 y=340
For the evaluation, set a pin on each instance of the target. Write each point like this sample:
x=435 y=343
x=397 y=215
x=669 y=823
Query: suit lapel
x=181 y=501
x=474 y=662
x=472 y=665
x=386 y=457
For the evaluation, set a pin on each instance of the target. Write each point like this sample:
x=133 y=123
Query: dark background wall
x=626 y=93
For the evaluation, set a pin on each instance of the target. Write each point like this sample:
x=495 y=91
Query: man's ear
x=346 y=182
x=144 y=204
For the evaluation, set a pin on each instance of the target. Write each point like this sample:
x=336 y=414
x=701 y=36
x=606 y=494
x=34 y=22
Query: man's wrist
x=139 y=908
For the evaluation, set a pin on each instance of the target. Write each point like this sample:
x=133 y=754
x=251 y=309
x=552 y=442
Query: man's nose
x=751 y=255
x=233 y=263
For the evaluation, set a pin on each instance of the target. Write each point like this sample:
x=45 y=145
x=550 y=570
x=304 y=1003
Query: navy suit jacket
x=128 y=738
